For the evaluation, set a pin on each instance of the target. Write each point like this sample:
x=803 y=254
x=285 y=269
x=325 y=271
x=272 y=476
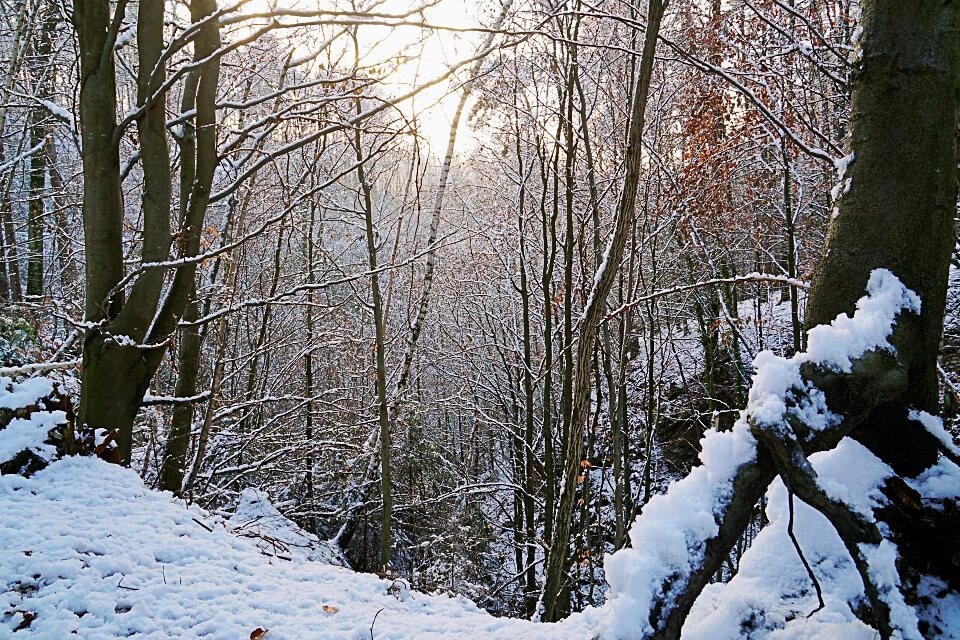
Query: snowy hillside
x=86 y=550
x=89 y=552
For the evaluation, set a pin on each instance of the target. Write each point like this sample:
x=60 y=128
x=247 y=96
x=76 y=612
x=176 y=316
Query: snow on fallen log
x=682 y=536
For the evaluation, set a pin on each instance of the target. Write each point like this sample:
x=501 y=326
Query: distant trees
x=473 y=364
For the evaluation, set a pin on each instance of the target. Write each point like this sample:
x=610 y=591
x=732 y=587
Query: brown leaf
x=330 y=608
x=28 y=617
x=258 y=633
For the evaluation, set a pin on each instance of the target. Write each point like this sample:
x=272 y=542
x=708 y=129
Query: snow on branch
x=39 y=367
x=744 y=279
x=151 y=399
x=681 y=536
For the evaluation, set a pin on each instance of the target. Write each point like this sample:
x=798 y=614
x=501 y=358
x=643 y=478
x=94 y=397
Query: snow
x=668 y=539
x=29 y=432
x=934 y=426
x=942 y=609
x=882 y=567
x=59 y=112
x=772 y=596
x=861 y=490
x=842 y=187
x=86 y=548
x=835 y=346
x=841 y=164
x=17 y=395
x=257 y=518
x=848 y=338
x=939 y=482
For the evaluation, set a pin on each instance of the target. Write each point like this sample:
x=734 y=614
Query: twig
x=202 y=525
x=803 y=559
x=120 y=585
x=375 y=621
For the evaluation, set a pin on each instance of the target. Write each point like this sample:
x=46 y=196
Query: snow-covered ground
x=92 y=553
x=87 y=551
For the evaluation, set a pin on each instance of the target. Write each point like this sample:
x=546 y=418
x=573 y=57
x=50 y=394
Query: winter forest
x=559 y=319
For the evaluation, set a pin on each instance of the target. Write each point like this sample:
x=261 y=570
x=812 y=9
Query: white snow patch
x=668 y=540
x=276 y=535
x=882 y=566
x=939 y=482
x=772 y=596
x=93 y=554
x=30 y=432
x=846 y=338
x=934 y=426
x=941 y=607
x=58 y=112
x=17 y=395
x=861 y=491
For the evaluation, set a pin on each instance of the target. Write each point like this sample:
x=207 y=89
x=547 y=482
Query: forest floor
x=87 y=551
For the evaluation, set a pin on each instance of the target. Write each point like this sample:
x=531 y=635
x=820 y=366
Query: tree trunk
x=102 y=202
x=10 y=288
x=530 y=582
x=380 y=341
x=557 y=561
x=174 y=462
x=899 y=214
x=124 y=347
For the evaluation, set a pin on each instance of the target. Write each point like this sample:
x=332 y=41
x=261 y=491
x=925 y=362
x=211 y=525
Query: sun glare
x=415 y=55
x=429 y=55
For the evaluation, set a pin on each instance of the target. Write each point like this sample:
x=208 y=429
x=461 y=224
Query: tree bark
x=124 y=347
x=557 y=561
x=43 y=80
x=102 y=201
x=380 y=341
x=899 y=214
x=10 y=288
